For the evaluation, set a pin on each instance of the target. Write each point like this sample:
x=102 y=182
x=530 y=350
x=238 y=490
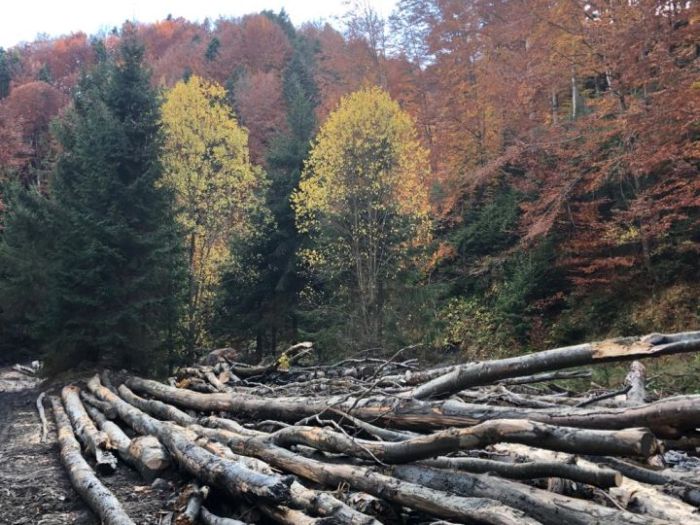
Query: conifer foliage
x=114 y=264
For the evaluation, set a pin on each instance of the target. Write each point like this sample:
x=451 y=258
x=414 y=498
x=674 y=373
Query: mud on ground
x=34 y=488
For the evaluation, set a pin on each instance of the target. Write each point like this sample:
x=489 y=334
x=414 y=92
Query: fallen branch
x=42 y=416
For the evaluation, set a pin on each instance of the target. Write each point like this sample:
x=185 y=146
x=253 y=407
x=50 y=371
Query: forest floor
x=34 y=487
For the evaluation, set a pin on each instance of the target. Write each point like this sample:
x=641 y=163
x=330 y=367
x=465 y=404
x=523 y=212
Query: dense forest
x=483 y=177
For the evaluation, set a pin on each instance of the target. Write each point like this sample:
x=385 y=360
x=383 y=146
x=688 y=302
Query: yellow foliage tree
x=364 y=203
x=218 y=191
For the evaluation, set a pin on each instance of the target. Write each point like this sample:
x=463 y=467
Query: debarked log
x=91 y=490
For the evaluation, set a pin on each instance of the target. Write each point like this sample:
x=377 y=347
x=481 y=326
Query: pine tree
x=117 y=267
x=262 y=303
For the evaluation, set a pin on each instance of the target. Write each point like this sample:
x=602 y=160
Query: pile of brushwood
x=371 y=440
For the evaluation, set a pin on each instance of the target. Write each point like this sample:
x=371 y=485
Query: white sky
x=23 y=20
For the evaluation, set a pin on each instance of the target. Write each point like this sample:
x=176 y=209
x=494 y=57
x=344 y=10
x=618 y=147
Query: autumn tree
x=217 y=189
x=364 y=205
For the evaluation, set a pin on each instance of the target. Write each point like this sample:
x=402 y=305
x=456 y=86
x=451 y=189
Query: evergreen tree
x=117 y=267
x=27 y=242
x=262 y=302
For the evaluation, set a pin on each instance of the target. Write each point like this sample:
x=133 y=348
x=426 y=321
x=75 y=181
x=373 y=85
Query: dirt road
x=34 y=488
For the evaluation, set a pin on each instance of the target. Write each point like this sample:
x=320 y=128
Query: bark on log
x=105 y=408
x=193 y=505
x=231 y=477
x=636 y=380
x=628 y=442
x=597 y=476
x=667 y=418
x=434 y=502
x=95 y=441
x=42 y=416
x=144 y=453
x=621 y=349
x=547 y=376
x=287 y=516
x=688 y=492
x=211 y=519
x=644 y=498
x=95 y=494
x=548 y=508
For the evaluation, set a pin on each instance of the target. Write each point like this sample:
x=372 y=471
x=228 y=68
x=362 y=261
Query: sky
x=23 y=20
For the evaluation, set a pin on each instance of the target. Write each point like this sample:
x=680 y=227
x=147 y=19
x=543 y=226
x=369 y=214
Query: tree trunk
x=622 y=349
x=664 y=417
x=98 y=498
x=95 y=441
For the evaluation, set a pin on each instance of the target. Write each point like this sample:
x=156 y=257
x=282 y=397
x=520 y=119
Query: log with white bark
x=95 y=441
x=621 y=349
x=100 y=500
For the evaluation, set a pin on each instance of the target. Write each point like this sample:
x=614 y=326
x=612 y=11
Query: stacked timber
x=369 y=440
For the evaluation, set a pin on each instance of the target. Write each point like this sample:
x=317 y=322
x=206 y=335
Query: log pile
x=370 y=440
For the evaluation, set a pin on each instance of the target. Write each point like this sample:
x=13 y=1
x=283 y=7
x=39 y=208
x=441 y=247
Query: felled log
x=95 y=441
x=636 y=380
x=230 y=476
x=597 y=476
x=688 y=492
x=104 y=408
x=628 y=442
x=546 y=507
x=641 y=497
x=195 y=496
x=316 y=502
x=287 y=516
x=100 y=500
x=42 y=416
x=547 y=376
x=667 y=418
x=144 y=453
x=621 y=349
x=434 y=502
x=212 y=519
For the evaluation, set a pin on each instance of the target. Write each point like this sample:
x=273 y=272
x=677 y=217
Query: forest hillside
x=481 y=178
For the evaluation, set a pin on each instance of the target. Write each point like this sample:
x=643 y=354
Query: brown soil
x=34 y=488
